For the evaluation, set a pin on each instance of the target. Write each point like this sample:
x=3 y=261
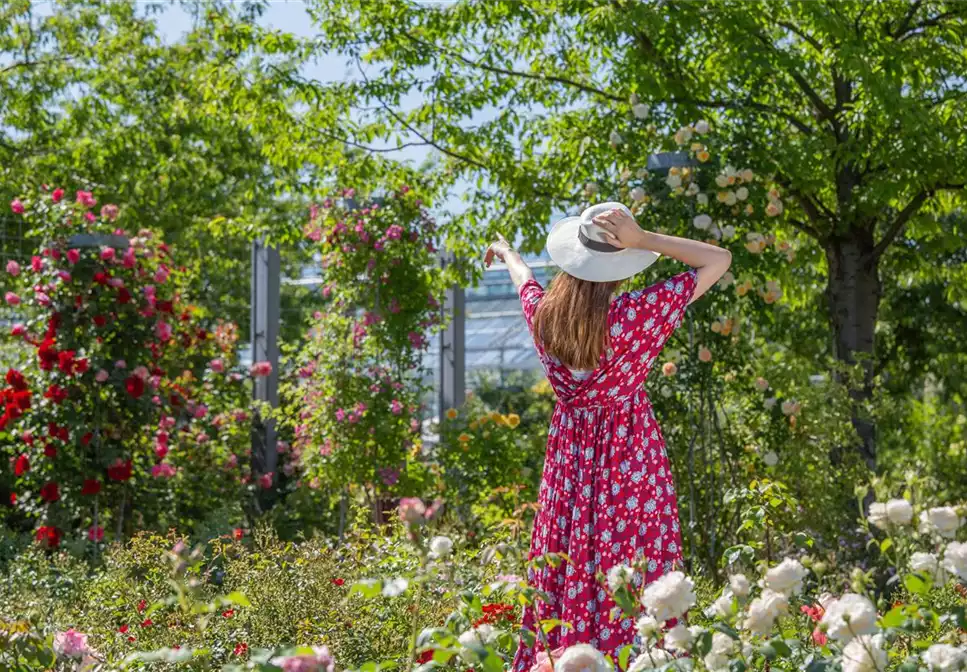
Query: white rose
x=721 y=608
x=642 y=173
x=927 y=563
x=849 y=616
x=395 y=587
x=899 y=511
x=678 y=638
x=786 y=577
x=955 y=559
x=670 y=596
x=769 y=403
x=702 y=221
x=440 y=547
x=730 y=198
x=615 y=138
x=774 y=208
x=674 y=181
x=637 y=194
x=728 y=231
x=479 y=635
x=944 y=658
x=722 y=181
x=764 y=610
x=741 y=193
x=581 y=658
x=702 y=199
x=683 y=135
x=666 y=392
x=864 y=654
x=747 y=175
x=790 y=406
x=739 y=585
x=648 y=626
x=692 y=189
x=701 y=127
x=618 y=576
x=877 y=515
x=941 y=519
x=650 y=659
x=770 y=458
x=640 y=110
x=722 y=647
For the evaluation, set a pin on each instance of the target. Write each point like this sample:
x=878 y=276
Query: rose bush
x=354 y=401
x=124 y=416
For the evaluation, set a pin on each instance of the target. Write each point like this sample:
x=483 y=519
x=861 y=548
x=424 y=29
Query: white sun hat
x=579 y=248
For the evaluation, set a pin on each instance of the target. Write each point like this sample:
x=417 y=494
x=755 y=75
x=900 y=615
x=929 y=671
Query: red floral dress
x=607 y=495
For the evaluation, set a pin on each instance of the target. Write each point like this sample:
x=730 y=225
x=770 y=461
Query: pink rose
x=669 y=369
x=216 y=365
x=109 y=212
x=261 y=369
x=101 y=376
x=412 y=510
x=128 y=260
x=265 y=480
x=71 y=644
x=13 y=268
x=12 y=299
x=57 y=195
x=73 y=256
x=161 y=275
x=17 y=206
x=704 y=354
x=162 y=470
x=107 y=253
x=18 y=330
x=86 y=199
x=162 y=330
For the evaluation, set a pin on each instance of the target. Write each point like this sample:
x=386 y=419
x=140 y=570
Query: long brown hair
x=572 y=320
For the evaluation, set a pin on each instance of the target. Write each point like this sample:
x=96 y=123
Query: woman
x=606 y=497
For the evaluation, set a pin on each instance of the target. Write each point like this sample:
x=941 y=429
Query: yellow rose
x=513 y=420
x=702 y=156
x=452 y=413
x=463 y=438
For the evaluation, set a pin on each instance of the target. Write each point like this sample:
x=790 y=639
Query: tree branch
x=805 y=37
x=587 y=88
x=805 y=228
x=30 y=64
x=750 y=104
x=917 y=29
x=901 y=220
x=905 y=22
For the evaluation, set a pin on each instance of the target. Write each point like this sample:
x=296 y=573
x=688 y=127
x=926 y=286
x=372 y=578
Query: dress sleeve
x=531 y=294
x=652 y=314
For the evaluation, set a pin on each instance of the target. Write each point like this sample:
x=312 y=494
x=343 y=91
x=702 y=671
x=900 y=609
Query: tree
x=191 y=135
x=856 y=109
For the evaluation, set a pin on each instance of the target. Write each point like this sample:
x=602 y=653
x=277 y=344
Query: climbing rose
x=12 y=299
x=943 y=520
x=13 y=268
x=669 y=369
x=864 y=654
x=261 y=369
x=17 y=206
x=318 y=661
x=49 y=492
x=48 y=536
x=57 y=195
x=86 y=199
x=95 y=534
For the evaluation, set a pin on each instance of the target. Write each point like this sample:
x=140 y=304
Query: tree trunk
x=853 y=292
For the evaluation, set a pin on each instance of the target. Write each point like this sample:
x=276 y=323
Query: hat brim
x=572 y=257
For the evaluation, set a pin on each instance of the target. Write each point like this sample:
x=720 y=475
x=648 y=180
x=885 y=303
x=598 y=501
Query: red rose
x=123 y=629
x=49 y=492
x=47 y=354
x=91 y=486
x=147 y=623
x=50 y=451
x=240 y=649
x=425 y=657
x=101 y=278
x=56 y=432
x=338 y=582
x=13 y=499
x=142 y=605
x=48 y=536
x=80 y=365
x=238 y=533
x=22 y=466
x=166 y=306
x=134 y=386
x=86 y=439
x=16 y=380
x=124 y=296
x=56 y=195
x=65 y=361
x=99 y=320
x=120 y=470
x=228 y=613
x=56 y=393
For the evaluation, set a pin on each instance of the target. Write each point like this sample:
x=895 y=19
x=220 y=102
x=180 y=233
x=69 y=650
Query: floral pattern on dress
x=607 y=496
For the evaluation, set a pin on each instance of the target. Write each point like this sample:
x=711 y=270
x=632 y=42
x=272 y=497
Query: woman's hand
x=620 y=228
x=499 y=249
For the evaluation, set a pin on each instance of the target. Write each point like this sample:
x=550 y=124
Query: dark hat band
x=596 y=245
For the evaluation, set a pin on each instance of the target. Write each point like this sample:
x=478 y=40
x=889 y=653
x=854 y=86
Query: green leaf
x=368 y=588
x=886 y=545
x=894 y=618
x=548 y=625
x=915 y=584
x=238 y=598
x=623 y=656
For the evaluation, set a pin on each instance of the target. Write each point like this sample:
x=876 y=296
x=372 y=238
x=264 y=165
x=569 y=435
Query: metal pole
x=266 y=269
x=453 y=379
